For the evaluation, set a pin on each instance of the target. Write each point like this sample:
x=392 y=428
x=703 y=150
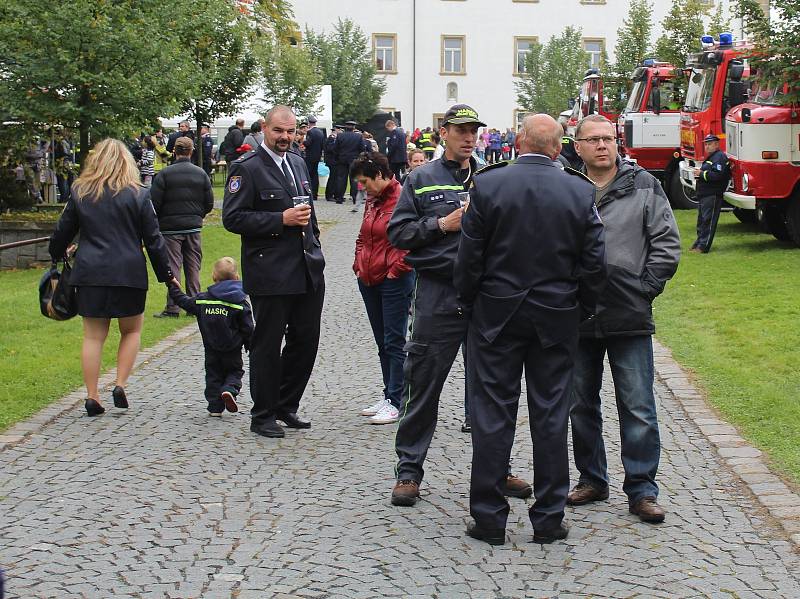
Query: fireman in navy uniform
x=712 y=181
x=349 y=145
x=532 y=259
x=282 y=266
x=427 y=222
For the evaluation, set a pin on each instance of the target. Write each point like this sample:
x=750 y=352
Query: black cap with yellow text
x=461 y=114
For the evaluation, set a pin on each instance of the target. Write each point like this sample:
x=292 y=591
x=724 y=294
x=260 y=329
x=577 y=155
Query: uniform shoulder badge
x=489 y=167
x=577 y=173
x=234 y=183
x=246 y=156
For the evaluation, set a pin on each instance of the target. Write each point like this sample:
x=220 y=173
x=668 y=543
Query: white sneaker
x=374 y=408
x=386 y=415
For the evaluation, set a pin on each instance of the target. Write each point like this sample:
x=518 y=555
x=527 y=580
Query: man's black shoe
x=292 y=420
x=166 y=314
x=548 y=536
x=466 y=427
x=268 y=428
x=493 y=536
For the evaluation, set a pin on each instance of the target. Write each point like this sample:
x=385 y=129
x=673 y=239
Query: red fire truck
x=718 y=81
x=764 y=150
x=591 y=100
x=648 y=130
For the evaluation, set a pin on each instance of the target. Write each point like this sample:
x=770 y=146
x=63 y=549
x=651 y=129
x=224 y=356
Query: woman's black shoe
x=120 y=400
x=93 y=408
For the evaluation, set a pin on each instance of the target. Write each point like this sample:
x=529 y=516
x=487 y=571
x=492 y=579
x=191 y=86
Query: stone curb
x=746 y=461
x=43 y=417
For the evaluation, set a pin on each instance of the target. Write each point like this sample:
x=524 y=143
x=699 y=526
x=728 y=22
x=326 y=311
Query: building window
x=453 y=55
x=522 y=46
x=595 y=48
x=384 y=47
x=452 y=92
x=593 y=1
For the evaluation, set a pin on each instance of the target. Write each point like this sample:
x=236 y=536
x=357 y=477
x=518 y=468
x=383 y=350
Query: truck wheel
x=680 y=197
x=747 y=217
x=793 y=219
x=772 y=220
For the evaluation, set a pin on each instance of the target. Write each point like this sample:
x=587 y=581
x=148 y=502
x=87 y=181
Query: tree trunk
x=83 y=127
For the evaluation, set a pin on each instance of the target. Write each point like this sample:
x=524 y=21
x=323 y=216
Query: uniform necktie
x=288 y=174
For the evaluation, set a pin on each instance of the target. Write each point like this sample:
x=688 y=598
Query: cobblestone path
x=165 y=502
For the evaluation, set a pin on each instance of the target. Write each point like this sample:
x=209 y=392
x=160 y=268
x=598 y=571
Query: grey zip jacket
x=643 y=248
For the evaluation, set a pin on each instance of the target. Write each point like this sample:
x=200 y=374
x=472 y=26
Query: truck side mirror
x=737 y=93
x=736 y=71
x=655 y=99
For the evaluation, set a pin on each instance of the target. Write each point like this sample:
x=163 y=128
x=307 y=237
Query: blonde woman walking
x=114 y=215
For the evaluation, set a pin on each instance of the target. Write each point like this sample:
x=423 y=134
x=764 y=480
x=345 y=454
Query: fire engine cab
x=764 y=151
x=648 y=130
x=591 y=100
x=718 y=81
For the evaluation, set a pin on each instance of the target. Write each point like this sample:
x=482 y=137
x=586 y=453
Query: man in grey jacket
x=642 y=253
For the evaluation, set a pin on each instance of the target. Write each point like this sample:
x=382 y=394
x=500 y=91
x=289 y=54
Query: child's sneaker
x=215 y=414
x=230 y=401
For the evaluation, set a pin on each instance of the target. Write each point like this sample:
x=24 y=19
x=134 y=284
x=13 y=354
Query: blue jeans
x=387 y=308
x=631 y=360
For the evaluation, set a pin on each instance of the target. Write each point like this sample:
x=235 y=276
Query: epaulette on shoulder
x=577 y=173
x=246 y=156
x=489 y=167
x=298 y=154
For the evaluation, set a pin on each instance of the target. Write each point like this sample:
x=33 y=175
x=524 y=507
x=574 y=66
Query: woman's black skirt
x=110 y=302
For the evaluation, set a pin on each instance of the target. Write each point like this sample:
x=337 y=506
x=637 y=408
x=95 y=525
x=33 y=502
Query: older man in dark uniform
x=532 y=258
x=267 y=203
x=349 y=144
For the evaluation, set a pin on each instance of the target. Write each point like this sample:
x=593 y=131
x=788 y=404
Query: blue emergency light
x=726 y=39
x=707 y=41
x=649 y=62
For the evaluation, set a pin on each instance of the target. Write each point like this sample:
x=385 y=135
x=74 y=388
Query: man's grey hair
x=540 y=134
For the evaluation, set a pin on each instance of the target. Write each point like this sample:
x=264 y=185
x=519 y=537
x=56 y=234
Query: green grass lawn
x=731 y=317
x=40 y=358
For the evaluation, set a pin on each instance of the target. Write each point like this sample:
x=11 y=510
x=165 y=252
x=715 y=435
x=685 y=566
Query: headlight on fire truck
x=745 y=183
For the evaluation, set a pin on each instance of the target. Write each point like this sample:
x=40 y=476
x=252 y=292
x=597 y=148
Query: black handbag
x=57 y=298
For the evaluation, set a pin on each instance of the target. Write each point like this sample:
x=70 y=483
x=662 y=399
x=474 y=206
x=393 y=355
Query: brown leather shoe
x=648 y=510
x=516 y=487
x=405 y=492
x=584 y=493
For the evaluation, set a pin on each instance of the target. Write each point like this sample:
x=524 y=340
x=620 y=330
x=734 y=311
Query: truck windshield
x=768 y=96
x=701 y=89
x=635 y=99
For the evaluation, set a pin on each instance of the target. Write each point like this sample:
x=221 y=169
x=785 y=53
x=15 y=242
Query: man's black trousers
x=438 y=328
x=495 y=371
x=708 y=209
x=342 y=175
x=313 y=173
x=330 y=188
x=279 y=378
x=224 y=372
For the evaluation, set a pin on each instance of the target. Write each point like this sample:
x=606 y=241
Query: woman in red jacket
x=384 y=279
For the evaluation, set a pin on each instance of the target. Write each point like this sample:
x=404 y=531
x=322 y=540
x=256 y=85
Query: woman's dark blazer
x=112 y=231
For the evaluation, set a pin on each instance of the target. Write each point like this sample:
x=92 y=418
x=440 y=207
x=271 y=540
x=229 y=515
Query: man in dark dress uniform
x=712 y=181
x=330 y=161
x=282 y=266
x=396 y=150
x=532 y=258
x=349 y=145
x=315 y=140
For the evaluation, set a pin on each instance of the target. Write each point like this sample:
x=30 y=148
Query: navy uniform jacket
x=330 y=150
x=714 y=175
x=276 y=259
x=429 y=193
x=348 y=146
x=396 y=150
x=223 y=315
x=531 y=231
x=315 y=139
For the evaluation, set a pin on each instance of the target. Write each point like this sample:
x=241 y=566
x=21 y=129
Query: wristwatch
x=441 y=225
